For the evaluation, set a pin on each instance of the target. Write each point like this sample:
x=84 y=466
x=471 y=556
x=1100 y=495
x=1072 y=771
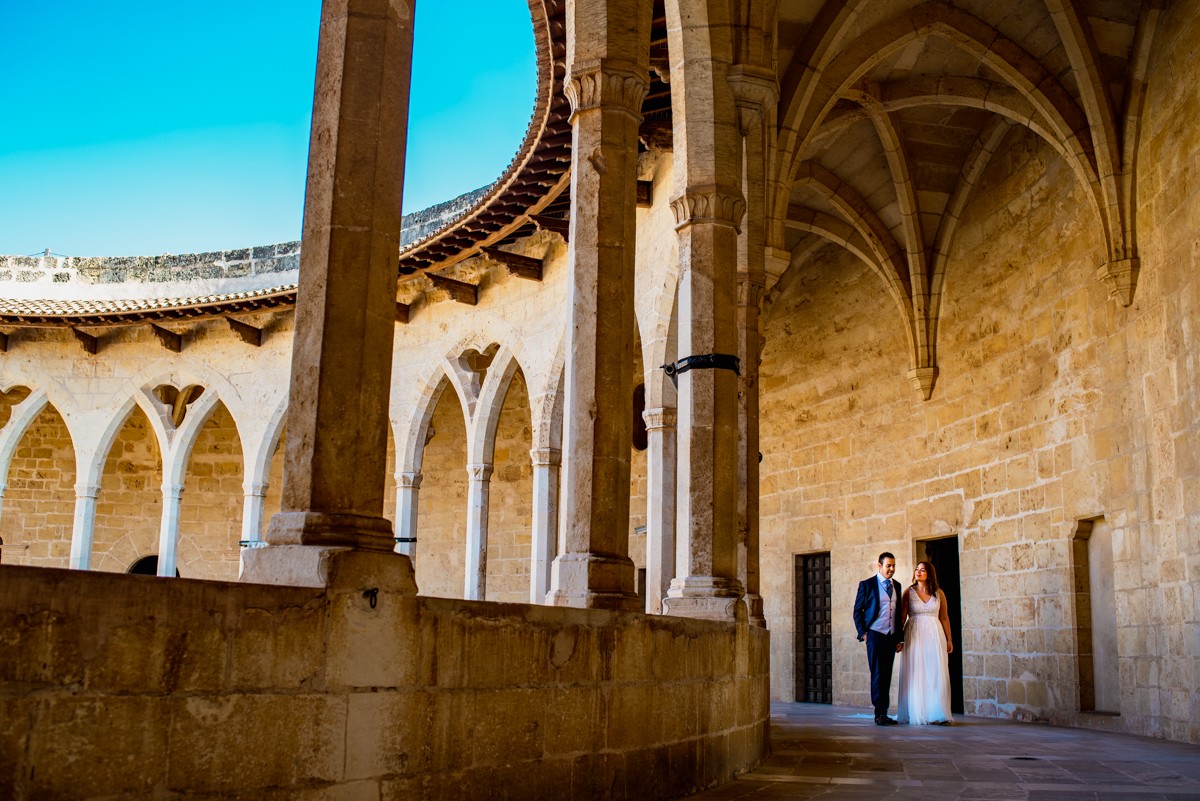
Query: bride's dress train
x=924 y=668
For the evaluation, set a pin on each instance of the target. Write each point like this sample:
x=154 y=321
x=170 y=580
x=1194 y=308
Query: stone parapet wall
x=76 y=277
x=57 y=277
x=129 y=686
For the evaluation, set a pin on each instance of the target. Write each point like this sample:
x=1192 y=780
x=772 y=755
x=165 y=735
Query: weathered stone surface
x=209 y=714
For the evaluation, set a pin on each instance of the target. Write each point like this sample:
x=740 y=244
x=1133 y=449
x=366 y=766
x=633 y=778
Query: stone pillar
x=607 y=76
x=546 y=463
x=254 y=494
x=168 y=530
x=408 y=491
x=705 y=583
x=475 y=572
x=84 y=526
x=337 y=419
x=756 y=95
x=660 y=505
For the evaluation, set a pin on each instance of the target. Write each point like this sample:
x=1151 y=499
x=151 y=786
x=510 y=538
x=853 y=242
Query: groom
x=877 y=618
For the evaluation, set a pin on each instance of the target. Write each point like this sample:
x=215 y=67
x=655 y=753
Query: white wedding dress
x=924 y=667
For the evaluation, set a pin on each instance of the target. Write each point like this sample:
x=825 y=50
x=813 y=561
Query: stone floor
x=838 y=754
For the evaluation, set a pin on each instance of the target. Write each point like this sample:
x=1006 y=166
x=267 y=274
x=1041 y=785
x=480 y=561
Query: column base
x=707 y=598
x=754 y=610
x=330 y=567
x=593 y=581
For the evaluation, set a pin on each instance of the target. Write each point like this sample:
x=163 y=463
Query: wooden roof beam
x=249 y=334
x=460 y=291
x=402 y=312
x=516 y=264
x=3 y=342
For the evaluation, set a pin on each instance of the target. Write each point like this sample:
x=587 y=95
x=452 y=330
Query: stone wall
x=510 y=511
x=442 y=513
x=130 y=686
x=129 y=506
x=39 y=501
x=210 y=513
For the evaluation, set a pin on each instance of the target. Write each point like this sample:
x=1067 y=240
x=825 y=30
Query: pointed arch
x=482 y=429
x=23 y=415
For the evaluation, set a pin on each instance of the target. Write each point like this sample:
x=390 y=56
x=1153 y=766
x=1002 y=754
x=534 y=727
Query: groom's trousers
x=881 y=656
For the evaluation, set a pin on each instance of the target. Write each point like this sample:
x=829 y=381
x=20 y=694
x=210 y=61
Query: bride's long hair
x=931 y=583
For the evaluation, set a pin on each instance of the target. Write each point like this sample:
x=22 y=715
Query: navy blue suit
x=881 y=648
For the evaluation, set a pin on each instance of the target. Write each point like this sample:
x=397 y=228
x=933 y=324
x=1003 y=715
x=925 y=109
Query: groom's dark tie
x=887 y=587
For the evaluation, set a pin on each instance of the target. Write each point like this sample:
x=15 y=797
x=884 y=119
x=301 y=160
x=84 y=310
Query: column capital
x=709 y=204
x=753 y=86
x=256 y=488
x=87 y=490
x=660 y=418
x=172 y=491
x=619 y=86
x=750 y=291
x=479 y=472
x=409 y=480
x=1120 y=277
x=546 y=457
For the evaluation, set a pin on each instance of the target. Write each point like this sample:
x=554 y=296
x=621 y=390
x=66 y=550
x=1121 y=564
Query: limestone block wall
x=510 y=515
x=40 y=496
x=129 y=507
x=1055 y=408
x=442 y=515
x=211 y=510
x=130 y=686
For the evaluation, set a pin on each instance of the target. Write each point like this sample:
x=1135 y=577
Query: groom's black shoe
x=886 y=721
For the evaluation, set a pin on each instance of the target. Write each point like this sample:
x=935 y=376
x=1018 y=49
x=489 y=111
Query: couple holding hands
x=914 y=623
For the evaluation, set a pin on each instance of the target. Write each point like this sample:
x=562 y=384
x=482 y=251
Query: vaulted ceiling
x=891 y=109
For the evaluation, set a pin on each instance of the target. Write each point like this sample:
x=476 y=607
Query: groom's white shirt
x=887 y=606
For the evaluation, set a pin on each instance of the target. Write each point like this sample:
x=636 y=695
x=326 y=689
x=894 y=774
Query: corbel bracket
x=460 y=291
x=516 y=264
x=168 y=338
x=555 y=225
x=90 y=343
x=250 y=334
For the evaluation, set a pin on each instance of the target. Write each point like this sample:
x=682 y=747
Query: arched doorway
x=146 y=566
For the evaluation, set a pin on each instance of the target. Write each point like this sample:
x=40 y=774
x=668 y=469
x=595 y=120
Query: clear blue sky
x=138 y=127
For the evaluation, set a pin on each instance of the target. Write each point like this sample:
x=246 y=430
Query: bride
x=924 y=671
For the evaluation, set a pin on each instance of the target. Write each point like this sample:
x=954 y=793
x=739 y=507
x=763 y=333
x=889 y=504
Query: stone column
x=660 y=505
x=705 y=583
x=756 y=95
x=168 y=530
x=254 y=494
x=607 y=76
x=546 y=463
x=408 y=491
x=475 y=572
x=337 y=420
x=84 y=527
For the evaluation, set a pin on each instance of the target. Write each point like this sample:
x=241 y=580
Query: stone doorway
x=942 y=553
x=814 y=629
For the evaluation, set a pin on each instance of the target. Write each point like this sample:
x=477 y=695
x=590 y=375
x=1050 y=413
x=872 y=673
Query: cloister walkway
x=837 y=754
